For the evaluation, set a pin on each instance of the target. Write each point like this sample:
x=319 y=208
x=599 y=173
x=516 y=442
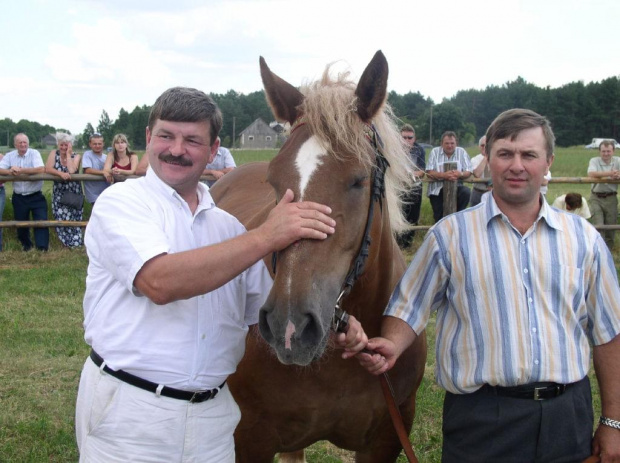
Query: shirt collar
x=205 y=200
x=546 y=212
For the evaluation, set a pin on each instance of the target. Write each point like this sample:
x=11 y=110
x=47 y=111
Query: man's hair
x=573 y=201
x=183 y=104
x=509 y=124
x=607 y=143
x=18 y=134
x=449 y=133
x=407 y=128
x=95 y=135
x=482 y=140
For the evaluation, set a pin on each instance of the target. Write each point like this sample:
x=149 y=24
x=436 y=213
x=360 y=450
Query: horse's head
x=328 y=158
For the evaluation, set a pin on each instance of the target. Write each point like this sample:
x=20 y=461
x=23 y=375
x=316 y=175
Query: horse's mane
x=329 y=109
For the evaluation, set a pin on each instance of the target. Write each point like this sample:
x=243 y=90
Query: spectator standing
x=448 y=152
x=27 y=197
x=604 y=197
x=173 y=283
x=222 y=163
x=2 y=201
x=517 y=309
x=63 y=162
x=412 y=200
x=122 y=162
x=480 y=168
x=93 y=163
x=573 y=202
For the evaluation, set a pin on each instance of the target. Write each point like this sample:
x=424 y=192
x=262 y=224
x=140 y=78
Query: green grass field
x=42 y=348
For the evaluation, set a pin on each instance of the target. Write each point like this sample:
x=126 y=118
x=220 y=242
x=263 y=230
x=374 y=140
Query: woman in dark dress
x=63 y=162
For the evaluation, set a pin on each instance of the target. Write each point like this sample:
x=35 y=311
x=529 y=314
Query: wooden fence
x=449 y=197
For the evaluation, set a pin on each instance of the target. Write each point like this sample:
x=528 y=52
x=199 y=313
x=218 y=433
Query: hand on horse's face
x=354 y=340
x=292 y=221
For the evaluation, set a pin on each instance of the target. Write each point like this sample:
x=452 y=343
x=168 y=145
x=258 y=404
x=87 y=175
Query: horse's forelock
x=330 y=111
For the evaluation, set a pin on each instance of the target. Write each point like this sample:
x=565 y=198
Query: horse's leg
x=292 y=457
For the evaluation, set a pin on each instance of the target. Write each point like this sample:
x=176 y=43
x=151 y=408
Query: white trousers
x=117 y=422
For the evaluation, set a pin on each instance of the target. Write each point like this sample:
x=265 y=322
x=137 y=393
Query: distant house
x=49 y=140
x=258 y=135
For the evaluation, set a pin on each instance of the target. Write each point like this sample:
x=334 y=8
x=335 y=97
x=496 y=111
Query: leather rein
x=341 y=318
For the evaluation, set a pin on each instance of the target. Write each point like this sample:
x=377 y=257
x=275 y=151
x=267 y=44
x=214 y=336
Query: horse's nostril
x=264 y=327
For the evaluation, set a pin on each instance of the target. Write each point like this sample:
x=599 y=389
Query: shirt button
x=533 y=329
x=203 y=336
x=522 y=241
x=529 y=299
x=536 y=362
x=525 y=270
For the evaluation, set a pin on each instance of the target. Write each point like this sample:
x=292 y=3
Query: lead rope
x=341 y=322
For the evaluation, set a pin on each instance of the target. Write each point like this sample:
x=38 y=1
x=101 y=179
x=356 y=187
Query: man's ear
x=214 y=149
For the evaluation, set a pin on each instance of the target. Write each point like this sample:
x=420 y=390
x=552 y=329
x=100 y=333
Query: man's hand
x=15 y=170
x=291 y=221
x=354 y=340
x=606 y=444
x=381 y=358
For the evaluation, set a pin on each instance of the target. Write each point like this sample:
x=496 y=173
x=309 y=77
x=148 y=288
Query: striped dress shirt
x=438 y=158
x=511 y=309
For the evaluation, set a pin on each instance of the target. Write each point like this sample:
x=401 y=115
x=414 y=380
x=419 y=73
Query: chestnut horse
x=306 y=392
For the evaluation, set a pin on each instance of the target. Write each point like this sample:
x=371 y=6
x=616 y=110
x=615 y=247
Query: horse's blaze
x=290 y=330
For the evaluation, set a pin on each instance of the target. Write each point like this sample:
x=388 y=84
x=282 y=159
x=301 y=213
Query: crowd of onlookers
x=67 y=195
x=451 y=162
x=121 y=162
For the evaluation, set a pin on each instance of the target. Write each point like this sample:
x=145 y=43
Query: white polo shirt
x=188 y=344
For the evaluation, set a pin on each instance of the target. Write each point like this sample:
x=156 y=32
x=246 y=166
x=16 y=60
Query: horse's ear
x=372 y=88
x=282 y=97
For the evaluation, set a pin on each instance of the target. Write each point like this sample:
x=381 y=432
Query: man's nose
x=177 y=147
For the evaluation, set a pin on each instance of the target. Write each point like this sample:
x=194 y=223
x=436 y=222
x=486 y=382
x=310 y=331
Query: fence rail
x=90 y=177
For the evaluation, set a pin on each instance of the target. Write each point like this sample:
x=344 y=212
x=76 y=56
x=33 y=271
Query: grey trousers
x=484 y=428
x=605 y=212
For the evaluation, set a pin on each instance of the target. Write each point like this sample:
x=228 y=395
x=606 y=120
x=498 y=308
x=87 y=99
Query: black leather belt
x=193 y=397
x=605 y=195
x=533 y=391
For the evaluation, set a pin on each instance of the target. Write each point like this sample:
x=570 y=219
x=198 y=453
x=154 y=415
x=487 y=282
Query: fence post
x=449 y=190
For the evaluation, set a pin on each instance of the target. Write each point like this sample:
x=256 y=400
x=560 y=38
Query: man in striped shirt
x=436 y=169
x=521 y=291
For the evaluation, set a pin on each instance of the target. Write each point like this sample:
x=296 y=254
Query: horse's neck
x=384 y=267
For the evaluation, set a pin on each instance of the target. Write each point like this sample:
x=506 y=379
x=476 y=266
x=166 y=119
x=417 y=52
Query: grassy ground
x=42 y=349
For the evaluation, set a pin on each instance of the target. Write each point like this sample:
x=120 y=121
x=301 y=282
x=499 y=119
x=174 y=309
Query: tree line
x=578 y=113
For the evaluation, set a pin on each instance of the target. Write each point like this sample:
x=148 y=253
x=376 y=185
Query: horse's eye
x=360 y=182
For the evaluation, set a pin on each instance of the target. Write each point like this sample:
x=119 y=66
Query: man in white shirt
x=604 y=198
x=27 y=196
x=173 y=283
x=448 y=152
x=222 y=163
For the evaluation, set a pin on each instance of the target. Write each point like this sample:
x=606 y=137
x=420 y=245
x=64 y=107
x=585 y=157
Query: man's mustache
x=179 y=160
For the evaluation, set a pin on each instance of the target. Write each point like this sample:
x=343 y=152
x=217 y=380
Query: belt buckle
x=537 y=391
x=200 y=396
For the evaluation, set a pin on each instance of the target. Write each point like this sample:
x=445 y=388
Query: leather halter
x=377 y=195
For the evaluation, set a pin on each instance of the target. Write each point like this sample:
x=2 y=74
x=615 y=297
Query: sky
x=63 y=62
